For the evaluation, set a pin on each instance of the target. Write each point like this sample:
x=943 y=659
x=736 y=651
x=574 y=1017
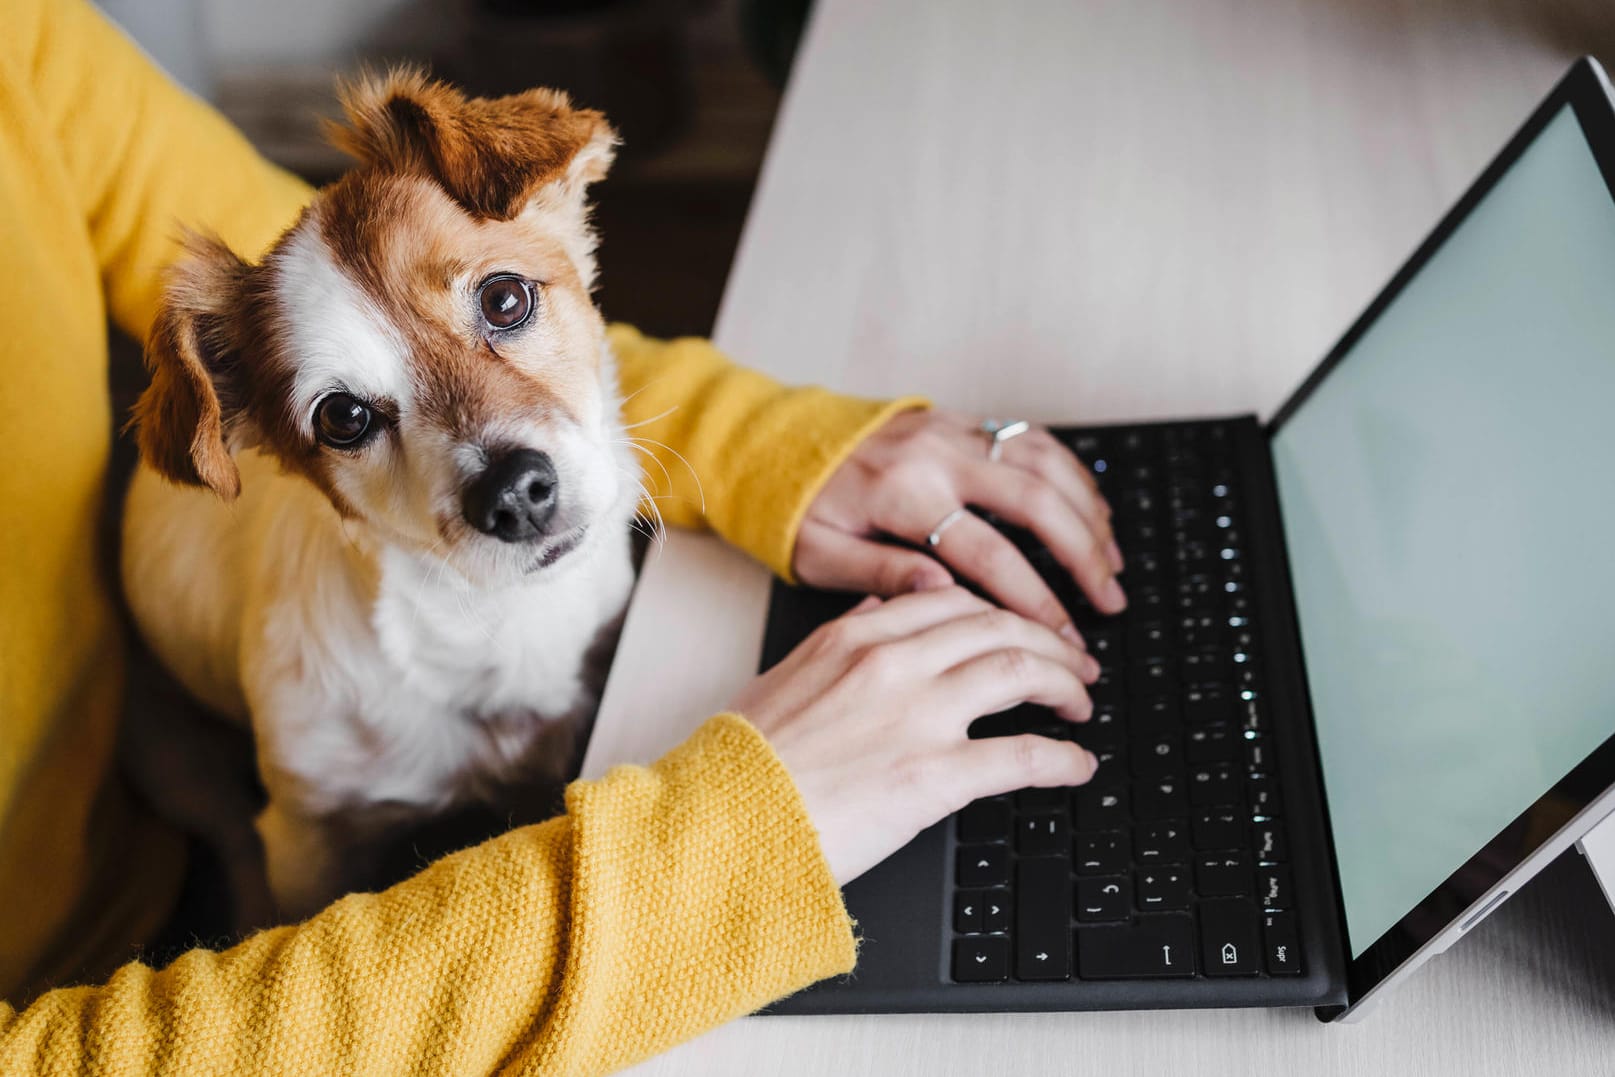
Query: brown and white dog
x=399 y=511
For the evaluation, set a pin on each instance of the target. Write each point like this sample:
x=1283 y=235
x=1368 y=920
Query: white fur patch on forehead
x=337 y=336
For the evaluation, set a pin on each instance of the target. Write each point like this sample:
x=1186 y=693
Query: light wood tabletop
x=1097 y=210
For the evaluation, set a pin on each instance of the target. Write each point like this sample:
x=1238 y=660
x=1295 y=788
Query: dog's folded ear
x=494 y=156
x=179 y=418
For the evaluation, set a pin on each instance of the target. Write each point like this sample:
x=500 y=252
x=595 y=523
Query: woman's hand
x=920 y=466
x=869 y=715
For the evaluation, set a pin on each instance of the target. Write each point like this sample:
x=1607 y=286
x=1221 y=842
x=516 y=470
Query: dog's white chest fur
x=372 y=677
x=442 y=690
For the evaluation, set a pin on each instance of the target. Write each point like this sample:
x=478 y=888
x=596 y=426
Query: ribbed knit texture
x=667 y=900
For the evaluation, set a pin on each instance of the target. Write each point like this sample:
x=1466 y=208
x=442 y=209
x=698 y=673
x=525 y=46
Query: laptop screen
x=1446 y=495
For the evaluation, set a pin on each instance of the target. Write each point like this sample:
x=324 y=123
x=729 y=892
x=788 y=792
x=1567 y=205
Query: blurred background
x=691 y=85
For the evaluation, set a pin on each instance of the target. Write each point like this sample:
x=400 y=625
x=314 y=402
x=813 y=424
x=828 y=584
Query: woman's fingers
x=838 y=561
x=1042 y=454
x=997 y=765
x=873 y=623
x=1025 y=500
x=976 y=550
x=1001 y=679
x=951 y=642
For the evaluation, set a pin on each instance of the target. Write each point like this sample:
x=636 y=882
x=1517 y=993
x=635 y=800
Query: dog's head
x=421 y=345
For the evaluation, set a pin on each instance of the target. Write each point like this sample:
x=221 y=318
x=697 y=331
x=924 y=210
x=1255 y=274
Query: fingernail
x=1114 y=552
x=1069 y=631
x=1093 y=669
x=1113 y=594
x=1093 y=764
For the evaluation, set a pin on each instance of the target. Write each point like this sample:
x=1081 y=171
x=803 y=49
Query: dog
x=384 y=502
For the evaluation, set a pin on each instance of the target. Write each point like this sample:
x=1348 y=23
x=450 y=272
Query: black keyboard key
x=1161 y=842
x=1041 y=800
x=984 y=820
x=1214 y=743
x=1144 y=565
x=1262 y=794
x=1147 y=600
x=1106 y=897
x=1222 y=828
x=967 y=912
x=1101 y=808
x=1106 y=727
x=1105 y=644
x=983 y=865
x=1040 y=835
x=1163 y=798
x=1156 y=714
x=995 y=911
x=1223 y=875
x=1042 y=919
x=1283 y=943
x=1204 y=666
x=980 y=960
x=1259 y=754
x=1217 y=784
x=1104 y=853
x=1158 y=754
x=1207 y=705
x=1138 y=445
x=1149 y=639
x=1108 y=688
x=1268 y=841
x=1273 y=888
x=1150 y=946
x=1151 y=677
x=1228 y=938
x=1112 y=759
x=1163 y=888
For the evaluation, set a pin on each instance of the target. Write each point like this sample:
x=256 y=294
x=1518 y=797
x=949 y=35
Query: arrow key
x=995 y=911
x=1043 y=919
x=980 y=960
x=983 y=865
x=967 y=912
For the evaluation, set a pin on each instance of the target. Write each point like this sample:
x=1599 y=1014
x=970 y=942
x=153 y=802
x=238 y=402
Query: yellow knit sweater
x=668 y=899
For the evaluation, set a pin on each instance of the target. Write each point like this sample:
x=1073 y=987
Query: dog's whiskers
x=701 y=494
x=652 y=419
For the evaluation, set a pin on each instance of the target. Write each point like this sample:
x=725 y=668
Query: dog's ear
x=179 y=418
x=494 y=155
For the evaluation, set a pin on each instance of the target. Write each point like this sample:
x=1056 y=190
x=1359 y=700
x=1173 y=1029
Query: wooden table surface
x=1116 y=209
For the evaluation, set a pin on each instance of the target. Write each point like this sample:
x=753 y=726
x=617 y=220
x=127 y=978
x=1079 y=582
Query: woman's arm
x=141 y=156
x=664 y=902
x=667 y=900
x=730 y=448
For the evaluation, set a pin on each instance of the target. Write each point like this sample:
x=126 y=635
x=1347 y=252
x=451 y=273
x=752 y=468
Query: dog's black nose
x=514 y=498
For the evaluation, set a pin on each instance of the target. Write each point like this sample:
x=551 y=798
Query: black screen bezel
x=1582 y=89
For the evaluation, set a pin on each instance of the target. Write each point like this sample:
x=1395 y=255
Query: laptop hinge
x=1598 y=846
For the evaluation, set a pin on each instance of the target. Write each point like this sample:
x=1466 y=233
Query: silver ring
x=943 y=524
x=999 y=431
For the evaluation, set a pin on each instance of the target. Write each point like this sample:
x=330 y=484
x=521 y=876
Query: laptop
x=1362 y=688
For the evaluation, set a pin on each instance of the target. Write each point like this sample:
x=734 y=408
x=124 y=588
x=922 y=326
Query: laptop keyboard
x=1171 y=862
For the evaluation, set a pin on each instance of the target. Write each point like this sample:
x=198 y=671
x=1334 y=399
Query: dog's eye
x=506 y=302
x=342 y=421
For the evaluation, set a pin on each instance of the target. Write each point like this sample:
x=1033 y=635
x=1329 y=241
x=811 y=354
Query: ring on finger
x=999 y=431
x=934 y=539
